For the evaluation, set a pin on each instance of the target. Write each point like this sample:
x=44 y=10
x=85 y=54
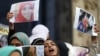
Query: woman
x=50 y=48
x=10 y=51
x=16 y=38
x=25 y=12
x=39 y=31
x=38 y=41
x=19 y=39
x=55 y=48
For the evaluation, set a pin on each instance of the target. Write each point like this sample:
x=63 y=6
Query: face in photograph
x=85 y=22
x=31 y=51
x=27 y=11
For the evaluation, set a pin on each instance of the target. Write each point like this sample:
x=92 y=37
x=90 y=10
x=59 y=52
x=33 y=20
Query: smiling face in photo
x=27 y=11
x=50 y=48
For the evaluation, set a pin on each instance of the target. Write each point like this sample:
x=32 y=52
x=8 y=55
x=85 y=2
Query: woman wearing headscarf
x=16 y=38
x=25 y=12
x=39 y=31
x=10 y=51
x=19 y=39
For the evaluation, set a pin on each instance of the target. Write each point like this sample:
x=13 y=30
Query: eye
x=24 y=8
x=53 y=44
x=18 y=44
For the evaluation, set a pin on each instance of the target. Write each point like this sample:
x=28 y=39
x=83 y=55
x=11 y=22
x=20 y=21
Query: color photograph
x=84 y=21
x=25 y=11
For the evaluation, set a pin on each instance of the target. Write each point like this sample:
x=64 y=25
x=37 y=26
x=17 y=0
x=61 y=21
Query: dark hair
x=25 y=50
x=62 y=48
x=12 y=39
x=38 y=41
x=16 y=51
x=82 y=15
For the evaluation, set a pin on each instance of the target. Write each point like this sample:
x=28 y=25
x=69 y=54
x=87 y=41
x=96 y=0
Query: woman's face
x=16 y=42
x=27 y=11
x=15 y=53
x=31 y=51
x=85 y=22
x=50 y=48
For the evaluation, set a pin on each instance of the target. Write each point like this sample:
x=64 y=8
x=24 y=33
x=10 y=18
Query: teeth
x=51 y=50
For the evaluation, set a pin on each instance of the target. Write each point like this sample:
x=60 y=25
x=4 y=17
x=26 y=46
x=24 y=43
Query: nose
x=50 y=45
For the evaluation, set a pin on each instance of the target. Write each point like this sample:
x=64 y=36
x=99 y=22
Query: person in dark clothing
x=62 y=48
x=20 y=37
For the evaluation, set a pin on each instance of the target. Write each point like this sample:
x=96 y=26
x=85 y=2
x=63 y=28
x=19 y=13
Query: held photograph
x=84 y=21
x=24 y=12
x=32 y=50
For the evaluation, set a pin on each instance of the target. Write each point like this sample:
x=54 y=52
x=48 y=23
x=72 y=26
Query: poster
x=84 y=22
x=4 y=30
x=26 y=11
x=34 y=50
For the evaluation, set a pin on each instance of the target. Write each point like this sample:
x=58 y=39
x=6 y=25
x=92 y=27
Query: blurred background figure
x=10 y=51
x=19 y=39
x=81 y=51
x=39 y=31
x=3 y=40
x=38 y=41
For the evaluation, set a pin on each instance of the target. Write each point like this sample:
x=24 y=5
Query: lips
x=51 y=50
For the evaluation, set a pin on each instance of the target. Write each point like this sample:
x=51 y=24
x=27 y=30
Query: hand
x=9 y=16
x=96 y=28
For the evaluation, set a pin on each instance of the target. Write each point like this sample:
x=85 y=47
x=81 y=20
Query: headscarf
x=19 y=17
x=7 y=50
x=38 y=41
x=22 y=37
x=39 y=31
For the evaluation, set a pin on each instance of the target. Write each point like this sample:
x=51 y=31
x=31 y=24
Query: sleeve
x=11 y=32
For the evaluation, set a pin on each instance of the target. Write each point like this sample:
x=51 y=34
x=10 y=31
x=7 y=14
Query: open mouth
x=51 y=50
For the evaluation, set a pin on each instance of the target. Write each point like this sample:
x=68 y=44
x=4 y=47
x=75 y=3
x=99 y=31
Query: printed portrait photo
x=3 y=40
x=32 y=50
x=25 y=13
x=29 y=51
x=84 y=21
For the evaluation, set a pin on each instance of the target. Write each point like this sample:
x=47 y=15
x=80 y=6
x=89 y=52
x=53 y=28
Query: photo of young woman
x=3 y=40
x=85 y=22
x=25 y=12
x=29 y=50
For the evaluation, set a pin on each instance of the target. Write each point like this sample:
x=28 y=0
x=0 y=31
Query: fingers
x=9 y=15
x=96 y=29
